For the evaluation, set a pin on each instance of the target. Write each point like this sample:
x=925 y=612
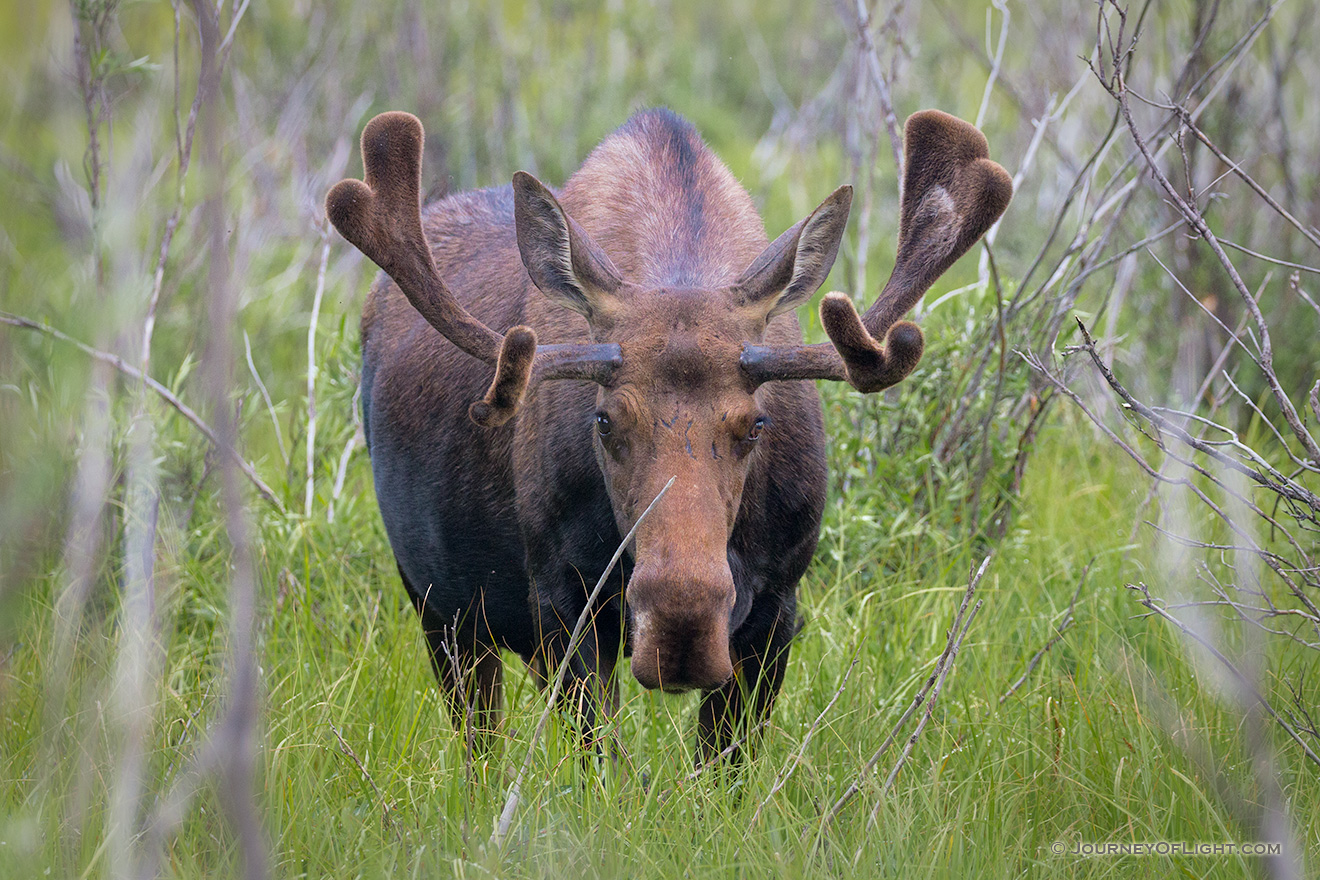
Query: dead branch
x=505 y=821
x=1299 y=498
x=1238 y=676
x=796 y=758
x=871 y=57
x=386 y=808
x=718 y=758
x=1117 y=88
x=955 y=643
x=1065 y=623
x=165 y=394
x=932 y=688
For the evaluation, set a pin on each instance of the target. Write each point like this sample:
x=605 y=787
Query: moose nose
x=680 y=632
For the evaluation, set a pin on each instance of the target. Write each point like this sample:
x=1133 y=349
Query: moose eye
x=602 y=424
x=757 y=427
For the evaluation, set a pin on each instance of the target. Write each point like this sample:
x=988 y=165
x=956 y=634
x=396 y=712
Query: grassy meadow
x=210 y=671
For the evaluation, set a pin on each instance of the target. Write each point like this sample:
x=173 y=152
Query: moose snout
x=680 y=630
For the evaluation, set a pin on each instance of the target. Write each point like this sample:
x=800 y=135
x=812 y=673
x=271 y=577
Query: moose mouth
x=671 y=689
x=678 y=649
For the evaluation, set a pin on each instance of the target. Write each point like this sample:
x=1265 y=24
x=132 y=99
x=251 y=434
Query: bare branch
x=1065 y=623
x=1118 y=89
x=718 y=758
x=165 y=393
x=871 y=57
x=796 y=758
x=1186 y=119
x=932 y=686
x=1237 y=674
x=183 y=141
x=386 y=808
x=955 y=642
x=505 y=821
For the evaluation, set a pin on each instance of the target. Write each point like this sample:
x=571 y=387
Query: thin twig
x=183 y=145
x=355 y=442
x=237 y=733
x=1267 y=258
x=1065 y=623
x=796 y=758
x=1265 y=475
x=358 y=439
x=165 y=393
x=955 y=643
x=936 y=676
x=1287 y=487
x=1118 y=89
x=385 y=807
x=505 y=821
x=717 y=758
x=1259 y=190
x=1248 y=688
x=872 y=58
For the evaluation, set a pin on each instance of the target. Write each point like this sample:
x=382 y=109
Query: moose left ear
x=797 y=263
x=560 y=257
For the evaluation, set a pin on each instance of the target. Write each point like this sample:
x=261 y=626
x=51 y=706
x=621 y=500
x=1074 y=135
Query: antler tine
x=952 y=194
x=382 y=218
x=523 y=364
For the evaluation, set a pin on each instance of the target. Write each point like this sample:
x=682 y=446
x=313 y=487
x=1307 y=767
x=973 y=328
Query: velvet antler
x=382 y=218
x=952 y=193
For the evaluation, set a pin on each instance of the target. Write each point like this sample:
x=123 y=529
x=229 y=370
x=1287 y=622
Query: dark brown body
x=506 y=530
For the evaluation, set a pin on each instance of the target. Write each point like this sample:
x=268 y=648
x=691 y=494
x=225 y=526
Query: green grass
x=1079 y=753
x=1120 y=735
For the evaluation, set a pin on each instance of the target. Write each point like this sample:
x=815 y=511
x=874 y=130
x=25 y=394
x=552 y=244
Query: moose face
x=681 y=405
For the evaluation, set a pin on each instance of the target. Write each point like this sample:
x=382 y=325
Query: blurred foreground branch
x=163 y=392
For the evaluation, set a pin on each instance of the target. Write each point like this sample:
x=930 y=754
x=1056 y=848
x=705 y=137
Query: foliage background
x=122 y=565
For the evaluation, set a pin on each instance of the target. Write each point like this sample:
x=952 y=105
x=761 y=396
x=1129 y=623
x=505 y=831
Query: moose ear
x=562 y=260
x=797 y=263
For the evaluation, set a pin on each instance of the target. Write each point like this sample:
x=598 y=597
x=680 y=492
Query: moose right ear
x=791 y=269
x=562 y=260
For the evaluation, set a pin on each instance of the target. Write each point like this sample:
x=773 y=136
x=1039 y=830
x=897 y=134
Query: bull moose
x=648 y=288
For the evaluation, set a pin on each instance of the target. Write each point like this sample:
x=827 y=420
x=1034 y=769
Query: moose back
x=537 y=365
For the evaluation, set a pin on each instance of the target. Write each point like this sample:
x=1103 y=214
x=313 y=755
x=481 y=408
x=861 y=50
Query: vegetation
x=208 y=666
